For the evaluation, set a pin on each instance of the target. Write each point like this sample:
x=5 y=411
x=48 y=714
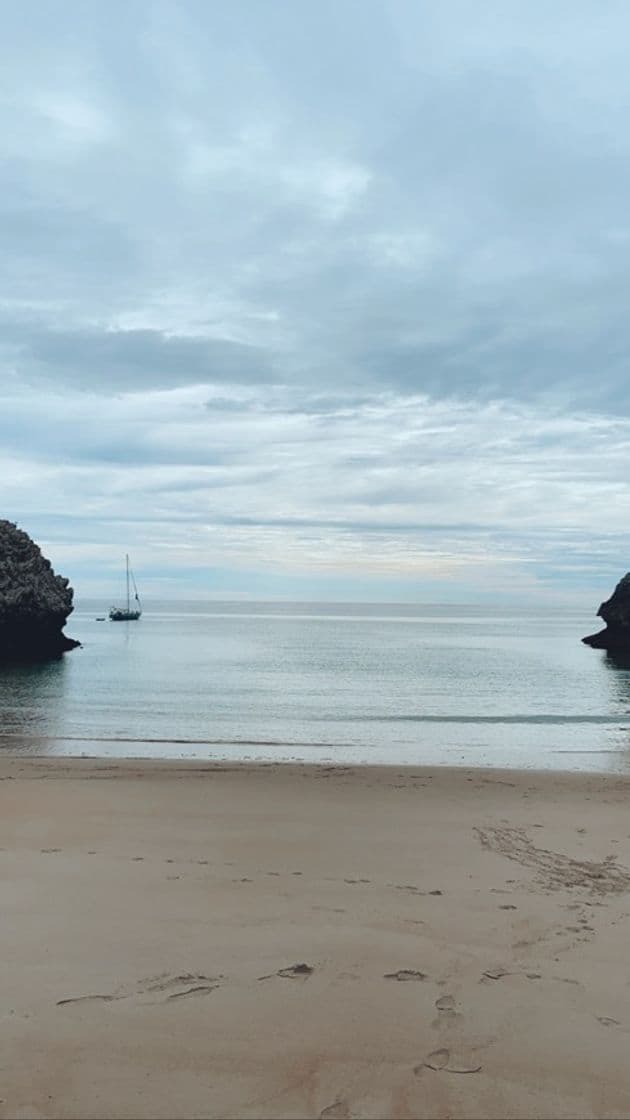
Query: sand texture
x=194 y=940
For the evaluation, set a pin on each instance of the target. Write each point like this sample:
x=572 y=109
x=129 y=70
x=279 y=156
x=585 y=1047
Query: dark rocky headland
x=34 y=602
x=616 y=614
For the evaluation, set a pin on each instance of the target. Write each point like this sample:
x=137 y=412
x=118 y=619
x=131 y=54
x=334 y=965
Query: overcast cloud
x=318 y=299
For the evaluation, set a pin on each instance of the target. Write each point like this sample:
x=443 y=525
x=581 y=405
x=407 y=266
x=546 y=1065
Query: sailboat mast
x=127 y=557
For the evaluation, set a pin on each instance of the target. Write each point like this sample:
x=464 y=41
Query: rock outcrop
x=616 y=614
x=34 y=602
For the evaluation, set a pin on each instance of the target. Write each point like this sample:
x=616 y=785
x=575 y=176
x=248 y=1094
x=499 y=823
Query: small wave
x=617 y=721
x=170 y=741
x=621 y=723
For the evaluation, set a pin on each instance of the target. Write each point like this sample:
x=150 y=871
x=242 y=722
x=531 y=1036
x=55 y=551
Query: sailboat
x=128 y=613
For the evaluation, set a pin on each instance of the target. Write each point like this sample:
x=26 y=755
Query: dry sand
x=194 y=940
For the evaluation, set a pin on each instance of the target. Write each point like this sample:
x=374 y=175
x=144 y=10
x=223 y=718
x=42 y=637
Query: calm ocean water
x=335 y=683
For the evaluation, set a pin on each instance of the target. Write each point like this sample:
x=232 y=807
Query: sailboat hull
x=128 y=613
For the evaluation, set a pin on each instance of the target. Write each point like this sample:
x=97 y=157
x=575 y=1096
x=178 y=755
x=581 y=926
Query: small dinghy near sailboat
x=128 y=613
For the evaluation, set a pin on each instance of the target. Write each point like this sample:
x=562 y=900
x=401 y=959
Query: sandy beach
x=196 y=940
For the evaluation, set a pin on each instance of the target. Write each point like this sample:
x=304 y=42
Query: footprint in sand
x=296 y=971
x=166 y=980
x=196 y=990
x=86 y=999
x=405 y=974
x=445 y=1006
x=338 y=1110
x=440 y=1061
x=437 y=1059
x=186 y=984
x=412 y=889
x=495 y=973
x=158 y=989
x=293 y=972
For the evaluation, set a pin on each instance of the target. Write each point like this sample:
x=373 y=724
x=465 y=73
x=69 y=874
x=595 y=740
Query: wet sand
x=195 y=940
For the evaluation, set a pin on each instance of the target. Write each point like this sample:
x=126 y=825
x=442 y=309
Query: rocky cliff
x=34 y=602
x=616 y=614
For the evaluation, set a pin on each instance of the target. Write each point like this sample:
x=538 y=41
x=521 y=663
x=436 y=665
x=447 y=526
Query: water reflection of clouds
x=31 y=704
x=617 y=666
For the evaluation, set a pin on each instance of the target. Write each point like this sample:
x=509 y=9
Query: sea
x=334 y=683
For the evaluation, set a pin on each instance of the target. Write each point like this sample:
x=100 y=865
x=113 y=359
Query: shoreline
x=189 y=938
x=616 y=766
x=198 y=764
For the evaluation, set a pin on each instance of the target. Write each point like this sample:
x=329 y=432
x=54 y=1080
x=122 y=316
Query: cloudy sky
x=318 y=299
